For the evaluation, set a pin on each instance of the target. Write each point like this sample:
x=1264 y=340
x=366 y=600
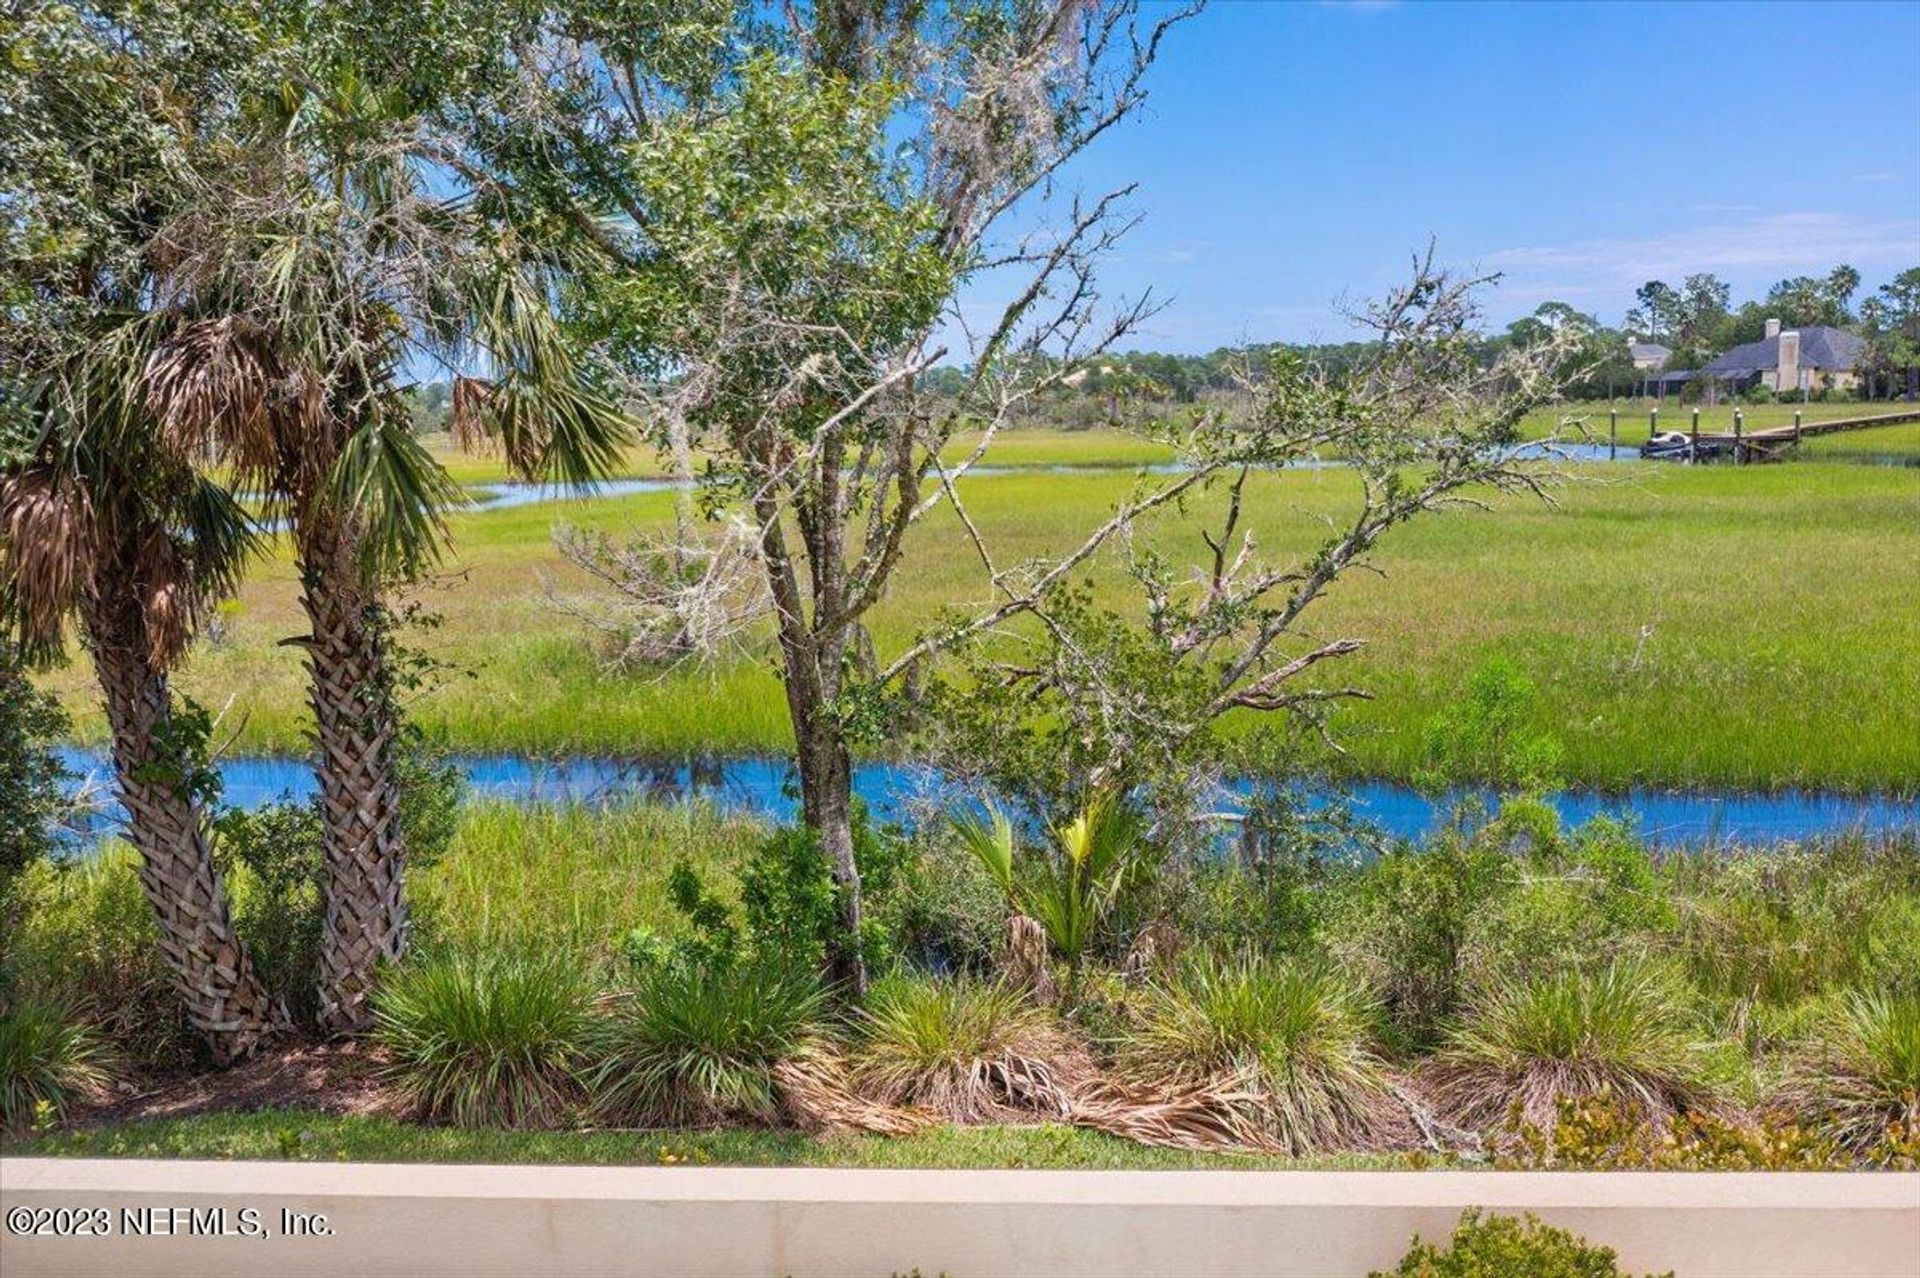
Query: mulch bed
x=333 y=1078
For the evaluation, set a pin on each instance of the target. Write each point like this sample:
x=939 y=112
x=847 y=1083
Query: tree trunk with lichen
x=225 y=999
x=354 y=725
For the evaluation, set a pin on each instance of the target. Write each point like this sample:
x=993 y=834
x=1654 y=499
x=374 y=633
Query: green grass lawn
x=283 y=1134
x=1755 y=626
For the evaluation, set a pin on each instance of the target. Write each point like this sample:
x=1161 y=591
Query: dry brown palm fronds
x=1026 y=966
x=815 y=1095
x=968 y=1051
x=1157 y=947
x=217 y=385
x=47 y=548
x=1225 y=1118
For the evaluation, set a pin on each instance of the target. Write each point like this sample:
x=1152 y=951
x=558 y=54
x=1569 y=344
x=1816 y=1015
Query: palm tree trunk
x=225 y=1000
x=366 y=909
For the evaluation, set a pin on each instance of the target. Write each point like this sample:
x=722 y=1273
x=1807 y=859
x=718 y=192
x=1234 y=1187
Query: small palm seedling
x=1274 y=1054
x=1097 y=859
x=1623 y=1032
x=487 y=1040
x=1857 y=1079
x=695 y=1044
x=46 y=1059
x=968 y=1051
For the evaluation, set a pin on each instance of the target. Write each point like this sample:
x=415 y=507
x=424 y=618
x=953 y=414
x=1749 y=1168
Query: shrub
x=1406 y=926
x=1284 y=1045
x=275 y=871
x=85 y=939
x=1592 y=1133
x=1506 y=1247
x=1488 y=734
x=30 y=790
x=486 y=1040
x=969 y=1051
x=1624 y=1032
x=693 y=1044
x=944 y=912
x=46 y=1058
x=1857 y=1079
x=1579 y=902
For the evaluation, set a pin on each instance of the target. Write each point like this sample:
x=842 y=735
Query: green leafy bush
x=1286 y=1042
x=1625 y=1032
x=1857 y=1078
x=1580 y=901
x=942 y=911
x=30 y=777
x=47 y=1057
x=789 y=904
x=1406 y=924
x=692 y=1044
x=271 y=855
x=1491 y=734
x=1485 y=1246
x=967 y=1050
x=487 y=1040
x=85 y=938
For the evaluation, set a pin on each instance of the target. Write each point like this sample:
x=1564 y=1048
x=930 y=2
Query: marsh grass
x=572 y=877
x=694 y=1045
x=1710 y=625
x=1526 y=1048
x=1280 y=1047
x=48 y=1059
x=487 y=1040
x=967 y=1050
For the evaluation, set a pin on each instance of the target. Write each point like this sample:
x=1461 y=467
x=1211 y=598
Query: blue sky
x=1294 y=153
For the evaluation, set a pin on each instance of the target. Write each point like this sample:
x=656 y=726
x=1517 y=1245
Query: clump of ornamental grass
x=969 y=1051
x=493 y=1040
x=1623 y=1032
x=1265 y=1054
x=694 y=1044
x=47 y=1059
x=1856 y=1080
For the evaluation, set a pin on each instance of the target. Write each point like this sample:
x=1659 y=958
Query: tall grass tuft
x=47 y=1057
x=1623 y=1032
x=697 y=1044
x=969 y=1051
x=1857 y=1079
x=1282 y=1048
x=487 y=1040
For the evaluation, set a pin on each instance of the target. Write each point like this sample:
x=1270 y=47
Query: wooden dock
x=1769 y=444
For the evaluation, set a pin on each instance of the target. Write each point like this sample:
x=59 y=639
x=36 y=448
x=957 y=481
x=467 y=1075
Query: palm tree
x=318 y=266
x=99 y=524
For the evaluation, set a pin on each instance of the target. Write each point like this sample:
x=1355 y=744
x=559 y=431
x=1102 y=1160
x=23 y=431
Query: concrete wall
x=688 y=1222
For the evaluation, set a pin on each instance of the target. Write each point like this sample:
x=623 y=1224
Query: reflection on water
x=896 y=791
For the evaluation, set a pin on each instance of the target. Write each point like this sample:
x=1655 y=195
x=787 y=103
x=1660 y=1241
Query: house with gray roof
x=1814 y=358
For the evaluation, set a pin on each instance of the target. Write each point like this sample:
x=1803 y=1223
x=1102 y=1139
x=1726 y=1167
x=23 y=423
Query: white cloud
x=1172 y=257
x=1787 y=243
x=1873 y=177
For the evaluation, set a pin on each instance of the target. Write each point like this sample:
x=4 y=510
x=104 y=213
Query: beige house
x=1814 y=358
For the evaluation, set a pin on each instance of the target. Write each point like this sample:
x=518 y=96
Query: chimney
x=1773 y=328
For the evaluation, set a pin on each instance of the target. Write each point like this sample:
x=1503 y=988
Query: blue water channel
x=894 y=791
